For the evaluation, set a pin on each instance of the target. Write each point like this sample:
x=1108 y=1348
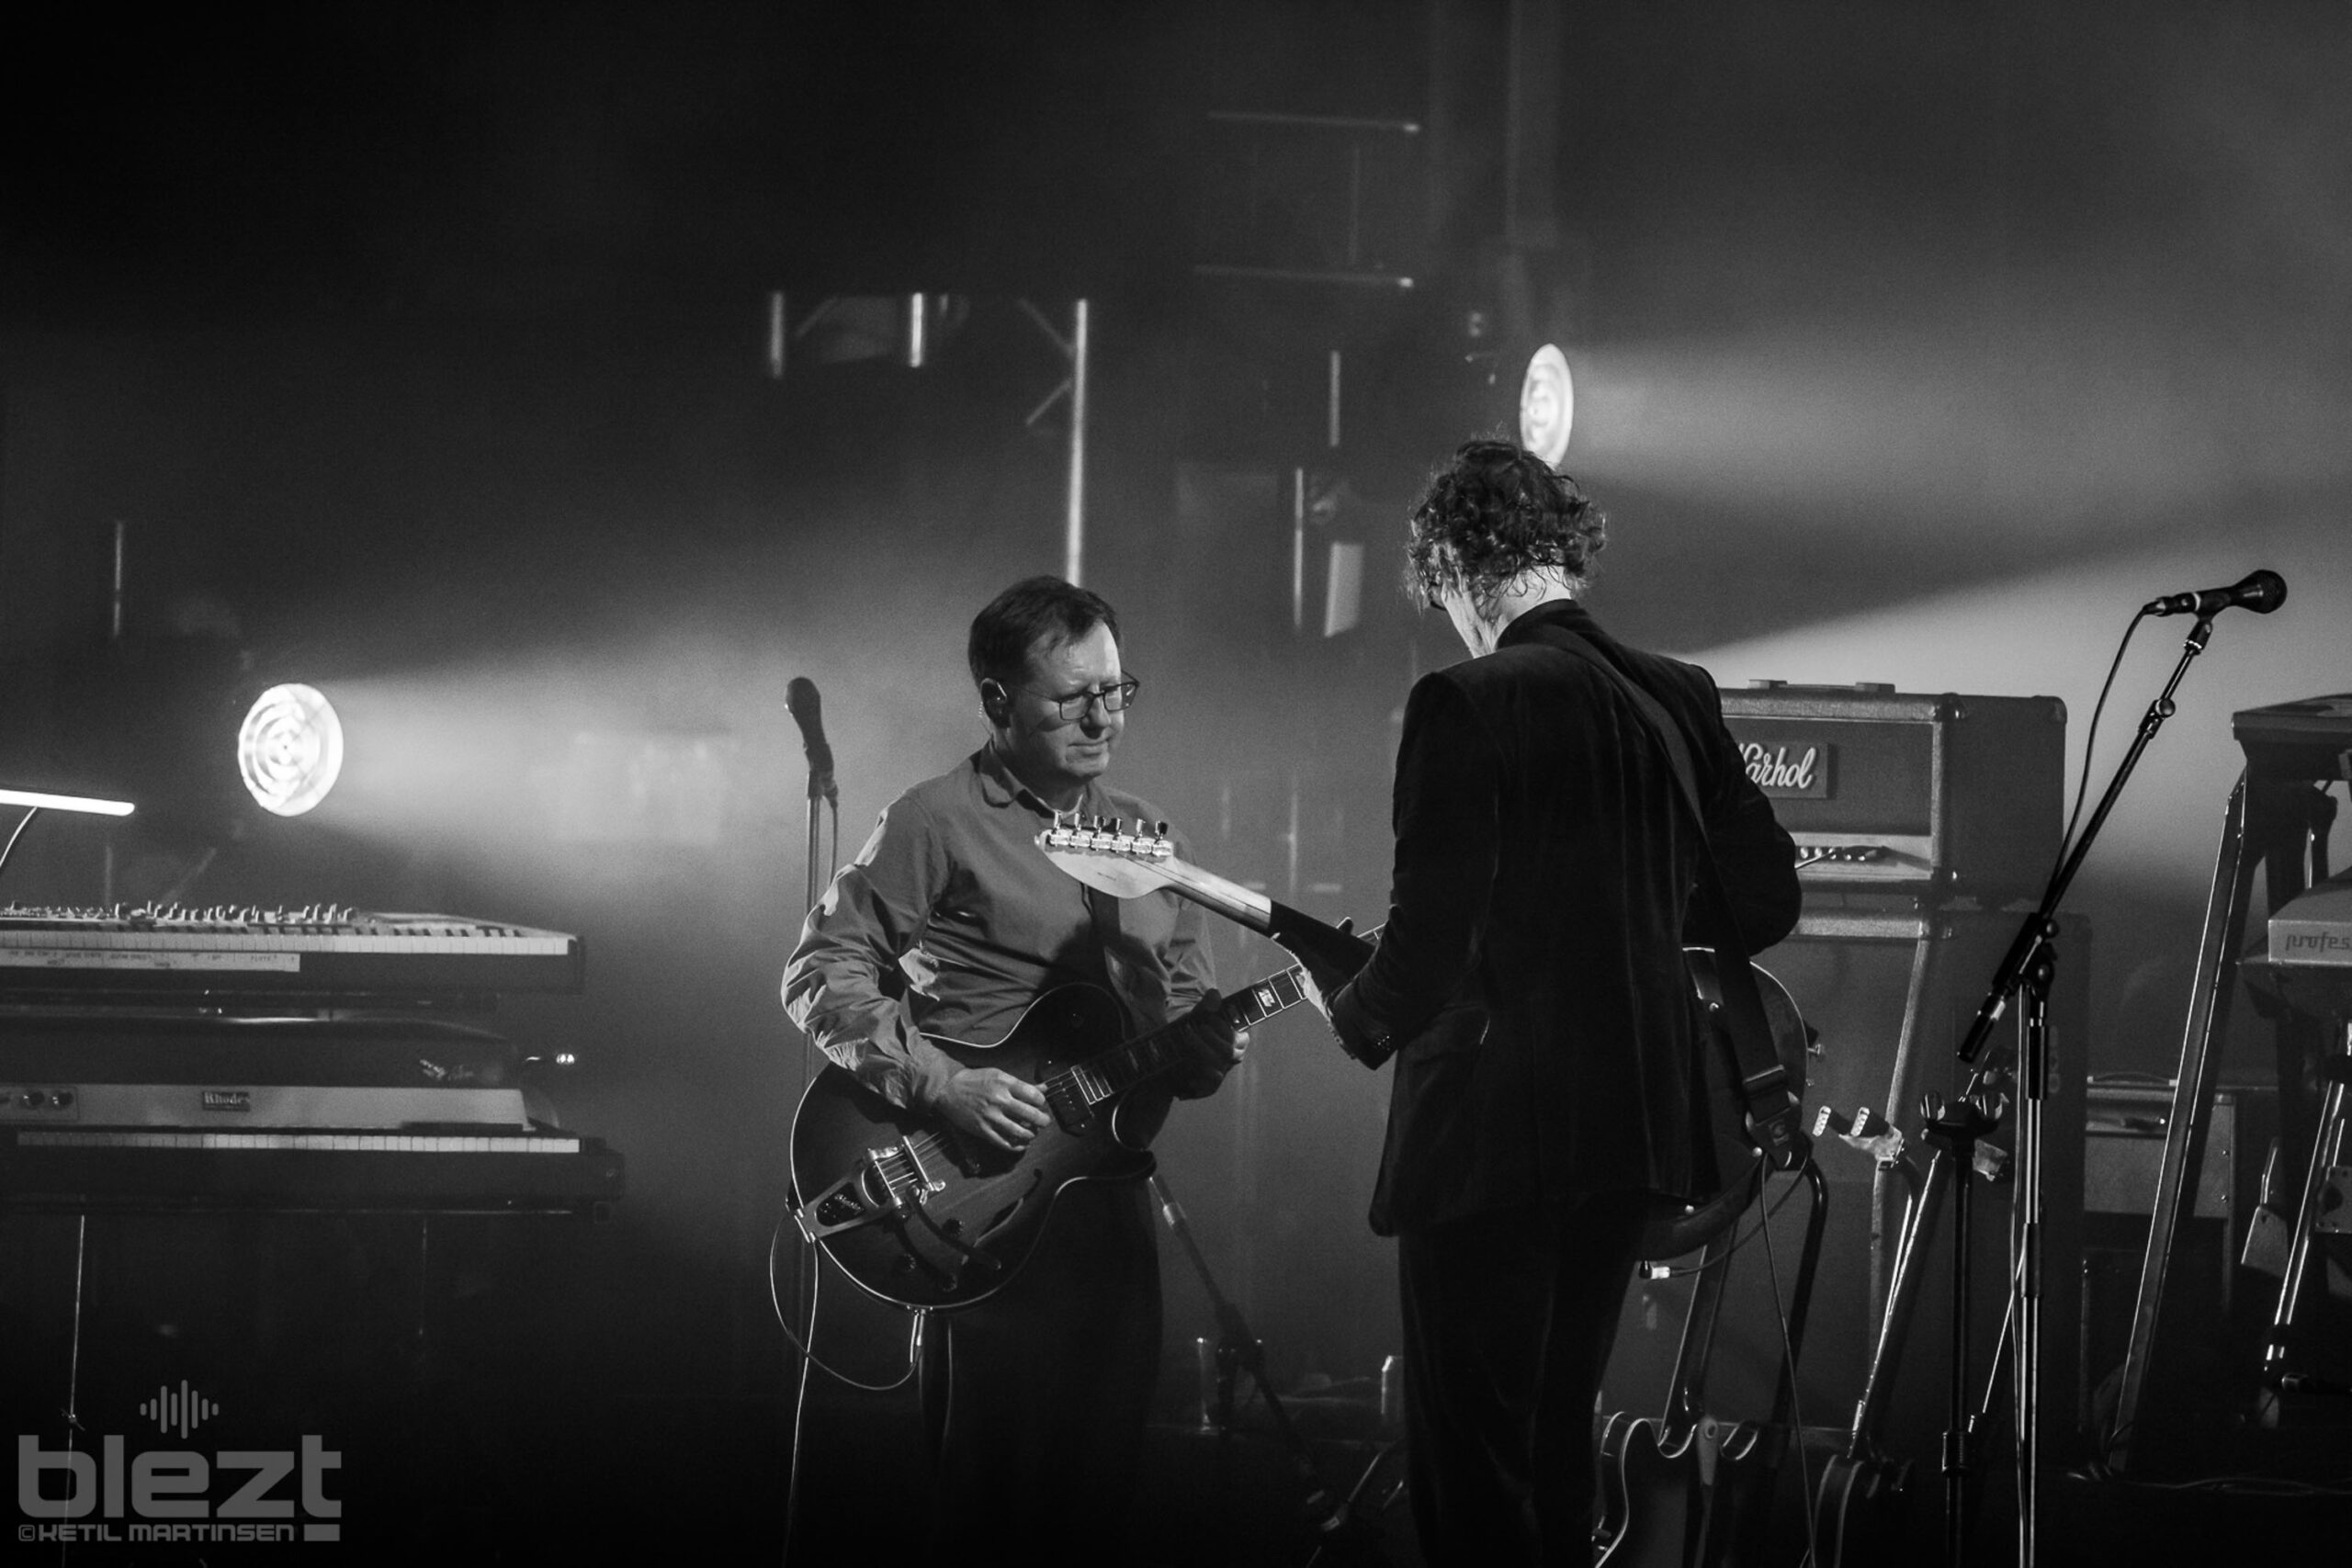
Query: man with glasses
x=951 y=922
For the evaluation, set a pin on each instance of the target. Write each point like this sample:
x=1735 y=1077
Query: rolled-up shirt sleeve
x=844 y=986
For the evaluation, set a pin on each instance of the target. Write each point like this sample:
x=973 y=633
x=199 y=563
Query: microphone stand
x=2032 y=961
x=822 y=787
x=1238 y=1350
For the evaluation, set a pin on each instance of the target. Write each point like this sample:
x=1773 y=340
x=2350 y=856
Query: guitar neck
x=1116 y=1071
x=1302 y=933
x=1129 y=861
x=1235 y=902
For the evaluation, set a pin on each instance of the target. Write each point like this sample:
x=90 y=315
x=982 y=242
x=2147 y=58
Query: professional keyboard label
x=2315 y=926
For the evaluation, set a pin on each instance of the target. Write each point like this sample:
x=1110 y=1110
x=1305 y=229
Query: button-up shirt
x=951 y=921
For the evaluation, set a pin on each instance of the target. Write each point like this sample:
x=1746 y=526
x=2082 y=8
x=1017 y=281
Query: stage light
x=289 y=749
x=1546 y=404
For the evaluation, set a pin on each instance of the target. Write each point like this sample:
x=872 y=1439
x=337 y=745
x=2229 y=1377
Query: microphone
x=809 y=712
x=2261 y=592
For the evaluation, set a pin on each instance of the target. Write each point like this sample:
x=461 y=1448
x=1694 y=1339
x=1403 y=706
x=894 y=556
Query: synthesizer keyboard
x=157 y=1170
x=118 y=1066
x=318 y=952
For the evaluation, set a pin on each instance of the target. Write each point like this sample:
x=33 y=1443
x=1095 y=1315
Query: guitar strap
x=1103 y=909
x=1774 y=1118
x=1138 y=998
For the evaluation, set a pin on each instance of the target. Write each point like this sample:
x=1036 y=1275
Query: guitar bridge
x=887 y=1183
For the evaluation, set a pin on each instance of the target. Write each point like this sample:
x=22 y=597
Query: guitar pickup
x=1071 y=1111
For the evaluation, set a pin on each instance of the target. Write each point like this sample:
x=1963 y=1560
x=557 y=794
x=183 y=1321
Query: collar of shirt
x=1566 y=613
x=1000 y=787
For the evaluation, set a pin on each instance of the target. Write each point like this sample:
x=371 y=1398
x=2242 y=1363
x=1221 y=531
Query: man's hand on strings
x=1210 y=1046
x=1321 y=982
x=995 y=1107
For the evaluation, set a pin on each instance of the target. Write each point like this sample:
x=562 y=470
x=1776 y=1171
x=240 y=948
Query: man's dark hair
x=1003 y=633
x=1494 y=514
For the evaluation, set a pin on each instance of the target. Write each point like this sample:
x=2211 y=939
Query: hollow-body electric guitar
x=925 y=1216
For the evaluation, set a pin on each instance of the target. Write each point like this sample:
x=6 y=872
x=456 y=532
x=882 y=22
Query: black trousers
x=1036 y=1399
x=1509 y=1318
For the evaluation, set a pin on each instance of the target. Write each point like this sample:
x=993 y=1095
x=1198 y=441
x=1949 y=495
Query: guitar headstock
x=1116 y=855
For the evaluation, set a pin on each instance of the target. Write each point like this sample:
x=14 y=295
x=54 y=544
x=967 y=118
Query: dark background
x=419 y=352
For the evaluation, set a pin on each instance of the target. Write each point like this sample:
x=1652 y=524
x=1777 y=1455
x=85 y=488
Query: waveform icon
x=183 y=1409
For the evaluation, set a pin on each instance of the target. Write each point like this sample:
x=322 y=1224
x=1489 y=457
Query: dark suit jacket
x=1530 y=975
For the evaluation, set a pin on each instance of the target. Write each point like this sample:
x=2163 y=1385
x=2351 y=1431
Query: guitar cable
x=1763 y=1228
x=1788 y=1353
x=2090 y=742
x=808 y=1351
x=775 y=1302
x=809 y=1358
x=1656 y=1273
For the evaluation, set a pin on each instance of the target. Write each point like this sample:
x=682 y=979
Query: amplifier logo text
x=1803 y=777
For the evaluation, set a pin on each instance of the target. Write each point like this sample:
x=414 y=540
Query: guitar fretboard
x=1116 y=1071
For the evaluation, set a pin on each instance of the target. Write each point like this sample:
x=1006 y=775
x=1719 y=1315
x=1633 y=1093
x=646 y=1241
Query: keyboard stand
x=2277 y=821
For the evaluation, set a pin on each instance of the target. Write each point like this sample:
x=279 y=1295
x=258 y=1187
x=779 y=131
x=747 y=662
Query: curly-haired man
x=1531 y=985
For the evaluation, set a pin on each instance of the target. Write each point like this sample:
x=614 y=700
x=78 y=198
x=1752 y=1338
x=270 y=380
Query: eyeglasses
x=1114 y=698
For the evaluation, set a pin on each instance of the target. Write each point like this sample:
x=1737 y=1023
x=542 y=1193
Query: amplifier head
x=1942 y=795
